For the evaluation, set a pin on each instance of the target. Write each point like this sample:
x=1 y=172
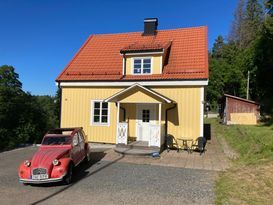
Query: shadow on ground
x=81 y=172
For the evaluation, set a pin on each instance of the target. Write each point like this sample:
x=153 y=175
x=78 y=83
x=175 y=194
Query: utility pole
x=247 y=87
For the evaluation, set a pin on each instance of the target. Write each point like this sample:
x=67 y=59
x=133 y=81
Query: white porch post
x=159 y=121
x=117 y=135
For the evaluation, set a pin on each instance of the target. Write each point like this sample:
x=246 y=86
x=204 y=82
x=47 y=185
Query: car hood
x=44 y=156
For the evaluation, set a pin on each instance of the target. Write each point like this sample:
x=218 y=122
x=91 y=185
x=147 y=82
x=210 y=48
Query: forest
x=24 y=118
x=246 y=53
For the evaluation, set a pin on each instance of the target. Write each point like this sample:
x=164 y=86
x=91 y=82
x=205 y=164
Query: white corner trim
x=123 y=67
x=161 y=63
x=129 y=83
x=201 y=112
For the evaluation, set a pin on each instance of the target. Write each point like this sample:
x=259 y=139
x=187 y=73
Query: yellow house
x=137 y=86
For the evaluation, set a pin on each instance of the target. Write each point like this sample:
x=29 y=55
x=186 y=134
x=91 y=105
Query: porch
x=140 y=118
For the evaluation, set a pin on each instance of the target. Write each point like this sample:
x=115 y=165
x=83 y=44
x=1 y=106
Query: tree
x=264 y=63
x=235 y=34
x=252 y=22
x=23 y=118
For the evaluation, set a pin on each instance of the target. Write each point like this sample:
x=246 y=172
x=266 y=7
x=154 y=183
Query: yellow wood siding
x=138 y=96
x=183 y=121
x=76 y=111
x=156 y=64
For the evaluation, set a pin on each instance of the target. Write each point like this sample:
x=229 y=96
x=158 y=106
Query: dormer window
x=142 y=65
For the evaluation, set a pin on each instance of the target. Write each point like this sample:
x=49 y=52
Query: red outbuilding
x=236 y=110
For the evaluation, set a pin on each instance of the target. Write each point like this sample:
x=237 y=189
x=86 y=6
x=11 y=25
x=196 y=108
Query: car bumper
x=41 y=181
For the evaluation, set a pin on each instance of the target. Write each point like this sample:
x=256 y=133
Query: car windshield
x=56 y=140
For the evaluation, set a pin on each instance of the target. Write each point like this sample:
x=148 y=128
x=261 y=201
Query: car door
x=76 y=150
x=82 y=146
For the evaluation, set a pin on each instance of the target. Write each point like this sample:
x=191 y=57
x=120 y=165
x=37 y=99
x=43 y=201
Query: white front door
x=145 y=117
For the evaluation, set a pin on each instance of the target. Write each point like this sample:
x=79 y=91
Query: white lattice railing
x=156 y=135
x=122 y=133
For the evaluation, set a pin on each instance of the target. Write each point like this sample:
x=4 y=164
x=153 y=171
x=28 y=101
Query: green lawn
x=250 y=178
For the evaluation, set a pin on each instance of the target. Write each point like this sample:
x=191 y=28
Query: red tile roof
x=99 y=59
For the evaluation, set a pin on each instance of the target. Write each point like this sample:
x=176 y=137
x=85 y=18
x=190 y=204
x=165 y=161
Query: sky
x=39 y=38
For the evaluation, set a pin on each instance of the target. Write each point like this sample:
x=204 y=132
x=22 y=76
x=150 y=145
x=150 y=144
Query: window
x=145 y=115
x=142 y=66
x=100 y=113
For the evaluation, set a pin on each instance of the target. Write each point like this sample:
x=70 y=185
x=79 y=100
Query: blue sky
x=39 y=38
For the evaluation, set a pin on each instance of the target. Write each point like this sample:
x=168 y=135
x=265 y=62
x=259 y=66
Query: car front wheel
x=69 y=175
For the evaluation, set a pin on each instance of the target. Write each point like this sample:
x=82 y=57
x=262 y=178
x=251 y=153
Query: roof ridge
x=137 y=32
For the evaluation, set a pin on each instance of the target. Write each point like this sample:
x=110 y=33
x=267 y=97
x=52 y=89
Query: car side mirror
x=75 y=142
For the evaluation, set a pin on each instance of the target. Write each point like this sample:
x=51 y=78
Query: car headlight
x=27 y=163
x=55 y=162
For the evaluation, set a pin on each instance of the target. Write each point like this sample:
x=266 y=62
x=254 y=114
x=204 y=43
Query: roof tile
x=99 y=58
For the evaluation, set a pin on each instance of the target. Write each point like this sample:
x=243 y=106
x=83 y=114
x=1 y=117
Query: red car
x=61 y=150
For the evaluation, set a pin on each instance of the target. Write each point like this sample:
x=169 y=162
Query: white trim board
x=201 y=112
x=141 y=87
x=130 y=83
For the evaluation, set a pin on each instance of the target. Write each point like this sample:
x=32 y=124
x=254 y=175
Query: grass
x=250 y=178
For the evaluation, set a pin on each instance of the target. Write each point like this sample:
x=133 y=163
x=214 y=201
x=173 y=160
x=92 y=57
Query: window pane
x=97 y=104
x=137 y=61
x=147 y=66
x=145 y=115
x=96 y=112
x=137 y=66
x=96 y=118
x=137 y=70
x=104 y=105
x=104 y=119
x=147 y=61
x=146 y=70
x=104 y=112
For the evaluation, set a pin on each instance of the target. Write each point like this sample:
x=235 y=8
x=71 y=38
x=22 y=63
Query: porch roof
x=115 y=97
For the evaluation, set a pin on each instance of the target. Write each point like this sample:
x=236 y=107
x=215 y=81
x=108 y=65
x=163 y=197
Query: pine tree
x=252 y=23
x=235 y=34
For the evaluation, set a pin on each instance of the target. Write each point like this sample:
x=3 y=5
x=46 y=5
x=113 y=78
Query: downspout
x=166 y=118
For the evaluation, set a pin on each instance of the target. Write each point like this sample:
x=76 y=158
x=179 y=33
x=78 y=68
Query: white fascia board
x=138 y=85
x=130 y=83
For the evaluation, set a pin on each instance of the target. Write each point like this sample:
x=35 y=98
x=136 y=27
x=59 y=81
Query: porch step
x=137 y=145
x=136 y=151
x=136 y=148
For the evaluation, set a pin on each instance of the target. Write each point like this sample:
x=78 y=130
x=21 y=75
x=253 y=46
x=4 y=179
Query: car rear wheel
x=69 y=175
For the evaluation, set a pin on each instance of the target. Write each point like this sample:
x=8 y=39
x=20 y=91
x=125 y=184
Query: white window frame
x=142 y=59
x=92 y=114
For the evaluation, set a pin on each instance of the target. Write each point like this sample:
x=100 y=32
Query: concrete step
x=136 y=146
x=136 y=151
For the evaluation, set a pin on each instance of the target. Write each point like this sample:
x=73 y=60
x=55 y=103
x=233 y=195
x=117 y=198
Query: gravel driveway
x=108 y=182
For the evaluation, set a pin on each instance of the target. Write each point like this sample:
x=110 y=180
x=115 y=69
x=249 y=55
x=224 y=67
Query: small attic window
x=142 y=65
